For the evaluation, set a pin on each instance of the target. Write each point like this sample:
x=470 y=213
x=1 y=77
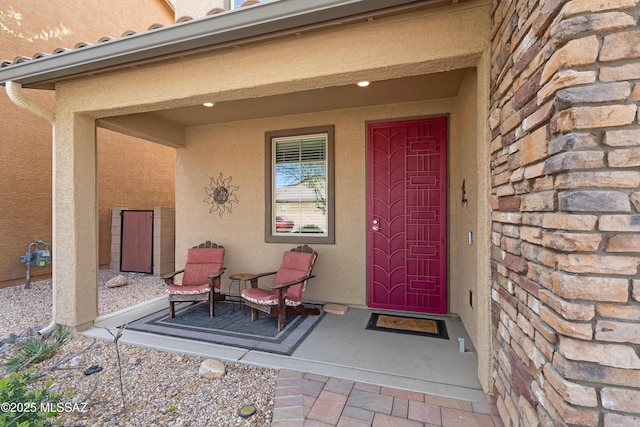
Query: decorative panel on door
x=407 y=215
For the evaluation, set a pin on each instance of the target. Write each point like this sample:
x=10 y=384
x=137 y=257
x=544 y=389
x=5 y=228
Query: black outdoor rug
x=435 y=328
x=231 y=326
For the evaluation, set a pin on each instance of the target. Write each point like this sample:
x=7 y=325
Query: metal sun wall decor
x=221 y=194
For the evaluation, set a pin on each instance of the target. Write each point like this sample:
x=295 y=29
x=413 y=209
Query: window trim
x=269 y=136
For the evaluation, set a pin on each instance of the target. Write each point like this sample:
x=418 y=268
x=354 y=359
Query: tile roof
x=268 y=19
x=21 y=58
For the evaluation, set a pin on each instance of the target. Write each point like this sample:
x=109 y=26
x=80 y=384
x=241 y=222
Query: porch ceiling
x=406 y=89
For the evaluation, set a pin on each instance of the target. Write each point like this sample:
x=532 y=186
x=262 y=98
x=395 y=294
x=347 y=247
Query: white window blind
x=301 y=150
x=300 y=184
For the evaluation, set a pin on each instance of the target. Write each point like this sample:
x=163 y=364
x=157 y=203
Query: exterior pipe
x=14 y=91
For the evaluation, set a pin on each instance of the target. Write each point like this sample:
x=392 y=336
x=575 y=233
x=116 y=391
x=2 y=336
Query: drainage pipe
x=14 y=91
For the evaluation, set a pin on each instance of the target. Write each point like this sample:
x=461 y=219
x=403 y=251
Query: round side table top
x=240 y=276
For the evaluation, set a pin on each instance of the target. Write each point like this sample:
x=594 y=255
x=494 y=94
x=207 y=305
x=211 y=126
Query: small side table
x=240 y=280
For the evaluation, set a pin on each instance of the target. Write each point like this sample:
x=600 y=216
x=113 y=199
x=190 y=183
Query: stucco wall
x=25 y=185
x=415 y=43
x=140 y=180
x=25 y=140
x=469 y=271
x=463 y=262
x=196 y=8
x=237 y=150
x=405 y=45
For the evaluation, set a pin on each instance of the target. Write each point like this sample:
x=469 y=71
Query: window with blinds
x=308 y=149
x=300 y=185
x=300 y=177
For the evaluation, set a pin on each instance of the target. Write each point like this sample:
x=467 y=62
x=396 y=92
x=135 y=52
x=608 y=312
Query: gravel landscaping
x=160 y=388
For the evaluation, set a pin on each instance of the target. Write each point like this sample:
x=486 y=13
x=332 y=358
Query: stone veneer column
x=566 y=212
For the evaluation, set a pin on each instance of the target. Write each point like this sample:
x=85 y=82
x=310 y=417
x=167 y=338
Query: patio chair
x=285 y=296
x=201 y=277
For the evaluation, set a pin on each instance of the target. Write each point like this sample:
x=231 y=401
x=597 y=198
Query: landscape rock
x=76 y=361
x=211 y=369
x=158 y=391
x=117 y=281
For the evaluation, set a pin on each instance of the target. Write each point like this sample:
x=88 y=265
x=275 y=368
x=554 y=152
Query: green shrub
x=22 y=407
x=36 y=349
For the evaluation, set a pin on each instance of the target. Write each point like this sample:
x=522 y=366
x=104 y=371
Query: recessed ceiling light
x=363 y=84
x=209 y=104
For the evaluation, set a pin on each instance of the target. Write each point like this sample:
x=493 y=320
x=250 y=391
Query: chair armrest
x=254 y=279
x=168 y=278
x=217 y=273
x=292 y=282
x=257 y=276
x=173 y=274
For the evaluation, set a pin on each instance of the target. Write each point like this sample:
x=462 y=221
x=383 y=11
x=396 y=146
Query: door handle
x=375 y=228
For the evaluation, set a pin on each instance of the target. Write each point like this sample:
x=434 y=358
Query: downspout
x=14 y=91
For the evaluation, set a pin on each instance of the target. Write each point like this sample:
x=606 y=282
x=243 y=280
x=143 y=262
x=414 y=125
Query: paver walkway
x=310 y=400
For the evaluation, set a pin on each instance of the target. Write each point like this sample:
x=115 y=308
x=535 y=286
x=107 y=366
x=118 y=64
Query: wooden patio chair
x=285 y=296
x=201 y=277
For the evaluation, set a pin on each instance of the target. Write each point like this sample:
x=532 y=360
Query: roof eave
x=271 y=18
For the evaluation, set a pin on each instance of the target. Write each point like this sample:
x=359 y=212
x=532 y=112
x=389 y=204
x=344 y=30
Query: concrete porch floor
x=341 y=362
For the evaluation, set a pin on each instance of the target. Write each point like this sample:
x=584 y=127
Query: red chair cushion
x=187 y=290
x=260 y=296
x=202 y=262
x=294 y=266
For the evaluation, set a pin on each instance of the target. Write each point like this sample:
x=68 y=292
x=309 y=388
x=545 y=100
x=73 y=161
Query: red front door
x=407 y=262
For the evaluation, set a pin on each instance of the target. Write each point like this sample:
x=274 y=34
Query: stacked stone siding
x=565 y=146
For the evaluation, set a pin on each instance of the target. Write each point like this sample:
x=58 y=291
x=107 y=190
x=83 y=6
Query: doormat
x=435 y=328
x=231 y=325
